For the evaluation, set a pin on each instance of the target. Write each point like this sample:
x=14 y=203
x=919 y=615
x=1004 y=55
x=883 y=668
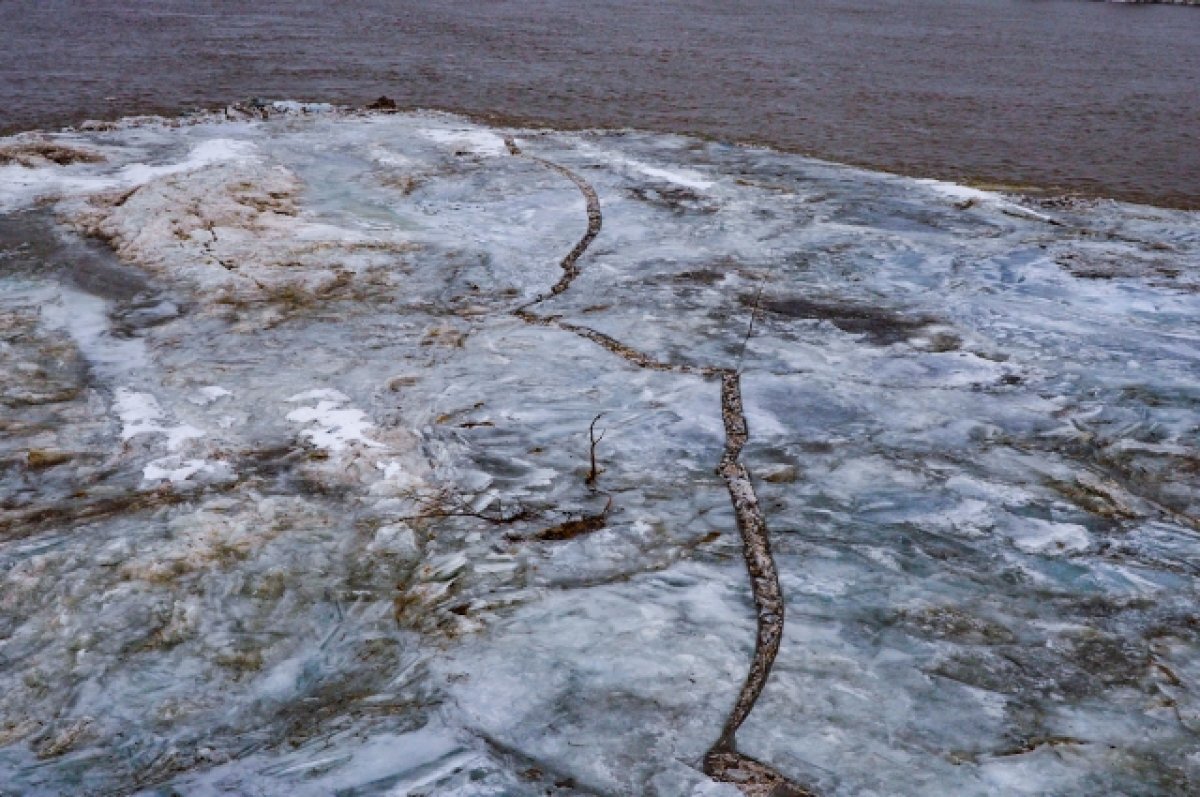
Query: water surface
x=1089 y=97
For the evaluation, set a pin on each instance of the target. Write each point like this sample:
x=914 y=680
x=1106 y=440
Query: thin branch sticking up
x=594 y=472
x=750 y=329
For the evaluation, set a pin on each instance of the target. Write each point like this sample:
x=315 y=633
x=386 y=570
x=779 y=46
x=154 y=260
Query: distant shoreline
x=1061 y=96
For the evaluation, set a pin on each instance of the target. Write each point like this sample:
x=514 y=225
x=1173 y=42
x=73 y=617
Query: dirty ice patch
x=466 y=139
x=22 y=186
x=331 y=425
x=140 y=413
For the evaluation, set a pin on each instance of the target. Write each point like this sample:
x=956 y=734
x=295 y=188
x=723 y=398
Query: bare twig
x=594 y=473
x=750 y=329
x=444 y=503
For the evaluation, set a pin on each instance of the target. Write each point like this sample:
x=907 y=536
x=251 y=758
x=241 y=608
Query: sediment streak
x=723 y=761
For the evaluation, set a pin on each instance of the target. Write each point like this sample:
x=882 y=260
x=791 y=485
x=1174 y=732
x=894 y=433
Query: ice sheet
x=294 y=521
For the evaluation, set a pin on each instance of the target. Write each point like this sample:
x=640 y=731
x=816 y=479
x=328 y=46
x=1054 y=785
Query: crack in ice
x=723 y=761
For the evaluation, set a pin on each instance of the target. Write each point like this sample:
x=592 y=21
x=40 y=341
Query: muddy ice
x=283 y=473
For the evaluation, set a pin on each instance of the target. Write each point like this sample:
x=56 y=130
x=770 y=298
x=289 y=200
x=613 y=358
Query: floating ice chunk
x=1121 y=579
x=332 y=426
x=1126 y=445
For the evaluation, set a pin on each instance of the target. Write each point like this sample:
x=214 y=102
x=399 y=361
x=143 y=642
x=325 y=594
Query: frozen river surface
x=297 y=500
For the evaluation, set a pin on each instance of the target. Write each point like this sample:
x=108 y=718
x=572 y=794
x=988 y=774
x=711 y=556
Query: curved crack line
x=764 y=577
x=722 y=762
x=569 y=263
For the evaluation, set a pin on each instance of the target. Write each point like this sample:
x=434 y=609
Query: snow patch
x=209 y=394
x=688 y=178
x=464 y=139
x=176 y=470
x=140 y=413
x=331 y=426
x=206 y=153
x=967 y=196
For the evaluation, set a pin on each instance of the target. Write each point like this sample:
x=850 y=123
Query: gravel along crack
x=723 y=761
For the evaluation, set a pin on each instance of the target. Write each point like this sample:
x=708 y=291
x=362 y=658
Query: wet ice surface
x=277 y=455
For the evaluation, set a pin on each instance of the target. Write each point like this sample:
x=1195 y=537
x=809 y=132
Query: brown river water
x=1086 y=97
